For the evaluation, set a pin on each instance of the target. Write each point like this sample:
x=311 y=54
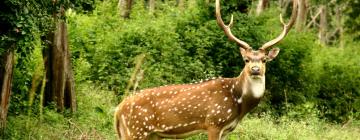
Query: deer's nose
x=255 y=70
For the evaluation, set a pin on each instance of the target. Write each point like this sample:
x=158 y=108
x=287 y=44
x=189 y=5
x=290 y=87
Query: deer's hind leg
x=214 y=133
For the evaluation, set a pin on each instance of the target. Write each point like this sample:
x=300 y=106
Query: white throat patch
x=257 y=86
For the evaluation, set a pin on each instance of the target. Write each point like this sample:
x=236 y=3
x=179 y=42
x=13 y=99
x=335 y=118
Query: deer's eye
x=247 y=60
x=264 y=60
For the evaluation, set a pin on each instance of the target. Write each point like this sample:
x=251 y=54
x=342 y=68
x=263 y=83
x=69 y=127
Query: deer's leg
x=153 y=137
x=214 y=133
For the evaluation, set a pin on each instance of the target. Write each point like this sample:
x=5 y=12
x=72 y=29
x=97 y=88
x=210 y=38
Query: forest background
x=65 y=65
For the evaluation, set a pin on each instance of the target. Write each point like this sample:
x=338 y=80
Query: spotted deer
x=214 y=106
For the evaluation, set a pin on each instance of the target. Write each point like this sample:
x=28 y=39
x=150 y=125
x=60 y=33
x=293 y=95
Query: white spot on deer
x=170 y=127
x=239 y=101
x=226 y=98
x=229 y=110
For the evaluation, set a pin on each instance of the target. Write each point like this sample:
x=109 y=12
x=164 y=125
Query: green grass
x=94 y=121
x=268 y=128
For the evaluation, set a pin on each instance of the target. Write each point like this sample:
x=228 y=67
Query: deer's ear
x=243 y=52
x=272 y=54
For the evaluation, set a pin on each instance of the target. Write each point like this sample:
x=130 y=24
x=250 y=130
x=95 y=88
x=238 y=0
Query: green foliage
x=335 y=71
x=353 y=19
x=24 y=27
x=179 y=47
x=93 y=120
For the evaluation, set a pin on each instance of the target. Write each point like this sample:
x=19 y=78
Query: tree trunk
x=190 y=4
x=339 y=23
x=6 y=76
x=60 y=87
x=151 y=6
x=125 y=8
x=302 y=15
x=323 y=25
x=181 y=4
x=261 y=6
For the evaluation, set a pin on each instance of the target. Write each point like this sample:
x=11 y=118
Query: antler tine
x=227 y=29
x=286 y=27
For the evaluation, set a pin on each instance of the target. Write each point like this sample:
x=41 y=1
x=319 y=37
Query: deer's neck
x=251 y=87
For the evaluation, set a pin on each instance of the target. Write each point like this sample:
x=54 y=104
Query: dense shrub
x=336 y=75
x=179 y=47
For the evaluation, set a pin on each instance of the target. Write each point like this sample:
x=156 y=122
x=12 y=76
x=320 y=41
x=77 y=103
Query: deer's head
x=255 y=60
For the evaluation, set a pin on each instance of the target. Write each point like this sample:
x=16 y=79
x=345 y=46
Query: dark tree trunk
x=60 y=85
x=6 y=76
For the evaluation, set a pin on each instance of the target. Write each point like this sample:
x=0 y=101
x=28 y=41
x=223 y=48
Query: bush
x=179 y=47
x=335 y=72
